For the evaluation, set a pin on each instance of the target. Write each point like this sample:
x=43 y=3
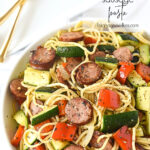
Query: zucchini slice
x=127 y=39
x=44 y=115
x=31 y=138
x=139 y=131
x=69 y=51
x=59 y=145
x=43 y=93
x=143 y=98
x=107 y=62
x=112 y=123
x=136 y=80
x=144 y=53
x=106 y=48
x=21 y=118
x=36 y=77
x=148 y=123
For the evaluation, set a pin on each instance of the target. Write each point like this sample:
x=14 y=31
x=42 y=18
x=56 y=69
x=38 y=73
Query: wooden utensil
x=6 y=43
x=10 y=11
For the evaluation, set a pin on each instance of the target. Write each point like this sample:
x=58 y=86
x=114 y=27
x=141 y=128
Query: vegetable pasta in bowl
x=84 y=88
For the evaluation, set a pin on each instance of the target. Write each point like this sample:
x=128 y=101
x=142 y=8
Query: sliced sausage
x=79 y=111
x=62 y=75
x=140 y=114
x=59 y=76
x=123 y=54
x=71 y=37
x=72 y=62
x=88 y=73
x=138 y=147
x=97 y=54
x=18 y=90
x=35 y=109
x=74 y=147
x=93 y=142
x=42 y=59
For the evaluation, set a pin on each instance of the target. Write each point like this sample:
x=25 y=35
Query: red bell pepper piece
x=61 y=106
x=124 y=138
x=64 y=64
x=109 y=99
x=143 y=71
x=18 y=136
x=123 y=72
x=45 y=129
x=64 y=131
x=89 y=40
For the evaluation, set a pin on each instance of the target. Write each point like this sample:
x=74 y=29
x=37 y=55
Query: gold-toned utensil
x=10 y=11
x=6 y=43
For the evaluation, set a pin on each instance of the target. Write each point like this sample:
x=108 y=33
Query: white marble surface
x=39 y=15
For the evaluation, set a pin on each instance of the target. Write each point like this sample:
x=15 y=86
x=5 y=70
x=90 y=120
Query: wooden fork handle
x=10 y=11
x=6 y=43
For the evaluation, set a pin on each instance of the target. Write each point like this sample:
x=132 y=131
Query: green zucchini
x=143 y=98
x=44 y=115
x=59 y=145
x=107 y=62
x=144 y=53
x=69 y=51
x=90 y=48
x=127 y=39
x=136 y=80
x=112 y=123
x=43 y=93
x=106 y=48
x=36 y=77
x=21 y=118
x=139 y=131
x=148 y=123
x=31 y=138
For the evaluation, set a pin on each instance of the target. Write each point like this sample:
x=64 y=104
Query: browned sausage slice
x=42 y=59
x=97 y=54
x=123 y=54
x=74 y=147
x=35 y=109
x=18 y=90
x=88 y=73
x=138 y=147
x=62 y=75
x=79 y=111
x=72 y=62
x=71 y=37
x=140 y=114
x=93 y=142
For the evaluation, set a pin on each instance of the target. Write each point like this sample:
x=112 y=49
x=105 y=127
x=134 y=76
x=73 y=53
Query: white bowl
x=7 y=122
